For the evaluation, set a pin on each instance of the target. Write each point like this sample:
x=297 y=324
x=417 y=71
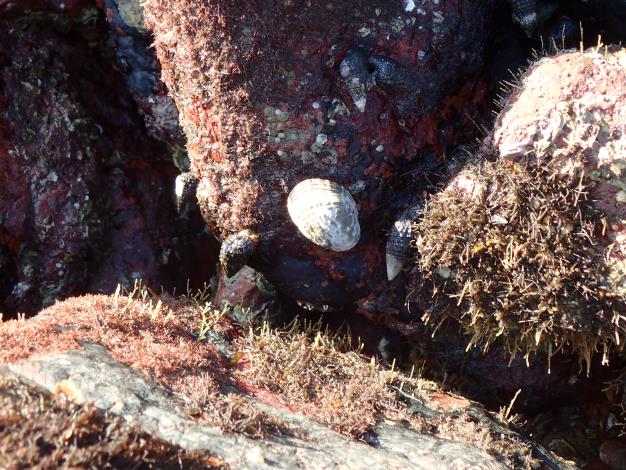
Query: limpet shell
x=325 y=213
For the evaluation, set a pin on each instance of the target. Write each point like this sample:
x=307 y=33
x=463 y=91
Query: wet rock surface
x=130 y=45
x=355 y=92
x=90 y=147
x=71 y=8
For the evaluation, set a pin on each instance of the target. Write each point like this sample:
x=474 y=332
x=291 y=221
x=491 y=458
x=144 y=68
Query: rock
x=130 y=44
x=529 y=244
x=352 y=92
x=250 y=297
x=43 y=430
x=613 y=453
x=559 y=107
x=151 y=370
x=570 y=113
x=87 y=199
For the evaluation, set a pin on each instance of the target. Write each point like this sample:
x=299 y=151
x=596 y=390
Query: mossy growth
x=325 y=377
x=517 y=252
x=322 y=374
x=42 y=430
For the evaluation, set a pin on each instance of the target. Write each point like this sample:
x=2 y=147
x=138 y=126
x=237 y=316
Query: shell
x=531 y=14
x=399 y=241
x=236 y=250
x=356 y=78
x=391 y=75
x=325 y=213
x=185 y=190
x=524 y=13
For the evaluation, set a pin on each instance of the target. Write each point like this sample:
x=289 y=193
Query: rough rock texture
x=87 y=197
x=149 y=349
x=250 y=297
x=528 y=246
x=84 y=375
x=271 y=93
x=569 y=104
x=130 y=44
x=43 y=430
x=12 y=8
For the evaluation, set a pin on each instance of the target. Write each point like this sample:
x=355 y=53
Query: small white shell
x=325 y=213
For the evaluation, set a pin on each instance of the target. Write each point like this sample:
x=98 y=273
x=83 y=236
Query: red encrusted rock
x=272 y=93
x=249 y=295
x=86 y=198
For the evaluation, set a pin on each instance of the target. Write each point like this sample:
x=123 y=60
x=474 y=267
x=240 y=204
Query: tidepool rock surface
x=143 y=360
x=528 y=241
x=272 y=93
x=86 y=194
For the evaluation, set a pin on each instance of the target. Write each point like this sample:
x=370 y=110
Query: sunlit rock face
x=573 y=107
x=527 y=243
x=356 y=93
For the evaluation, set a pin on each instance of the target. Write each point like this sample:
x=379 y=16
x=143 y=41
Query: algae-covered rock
x=355 y=92
x=86 y=196
x=179 y=371
x=528 y=244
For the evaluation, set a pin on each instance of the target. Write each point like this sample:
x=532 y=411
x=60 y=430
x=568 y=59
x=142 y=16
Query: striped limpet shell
x=325 y=213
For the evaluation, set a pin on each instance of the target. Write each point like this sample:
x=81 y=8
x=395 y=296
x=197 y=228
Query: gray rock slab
x=93 y=376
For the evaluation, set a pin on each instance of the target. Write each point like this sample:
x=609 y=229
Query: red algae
x=264 y=106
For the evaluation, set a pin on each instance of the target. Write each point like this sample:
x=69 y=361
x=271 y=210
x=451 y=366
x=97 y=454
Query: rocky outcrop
x=357 y=93
x=528 y=242
x=87 y=195
x=39 y=429
x=180 y=371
